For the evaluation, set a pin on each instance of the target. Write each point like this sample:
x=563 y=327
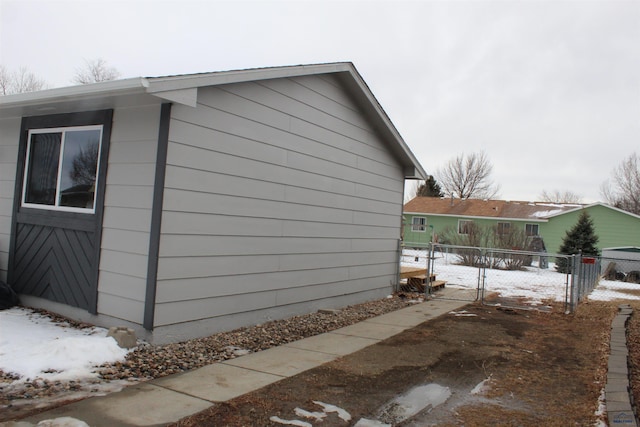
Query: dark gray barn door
x=55 y=262
x=56 y=228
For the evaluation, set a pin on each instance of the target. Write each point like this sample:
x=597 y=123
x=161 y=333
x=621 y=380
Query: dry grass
x=546 y=369
x=556 y=379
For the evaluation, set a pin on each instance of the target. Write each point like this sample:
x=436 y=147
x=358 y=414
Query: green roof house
x=425 y=218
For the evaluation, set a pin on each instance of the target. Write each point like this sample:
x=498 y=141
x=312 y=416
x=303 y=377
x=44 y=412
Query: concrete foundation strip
x=620 y=405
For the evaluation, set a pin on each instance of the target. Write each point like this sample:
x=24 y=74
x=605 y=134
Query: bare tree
x=557 y=196
x=85 y=165
x=19 y=81
x=468 y=177
x=94 y=71
x=623 y=190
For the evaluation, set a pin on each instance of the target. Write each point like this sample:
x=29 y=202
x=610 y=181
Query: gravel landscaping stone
x=147 y=362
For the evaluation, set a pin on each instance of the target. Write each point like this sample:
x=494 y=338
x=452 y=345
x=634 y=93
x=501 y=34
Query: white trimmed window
x=464 y=226
x=61 y=168
x=418 y=223
x=531 y=229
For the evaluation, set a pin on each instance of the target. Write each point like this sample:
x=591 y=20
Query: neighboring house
x=190 y=204
x=426 y=218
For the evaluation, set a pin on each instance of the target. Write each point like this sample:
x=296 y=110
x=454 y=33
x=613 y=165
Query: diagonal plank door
x=55 y=263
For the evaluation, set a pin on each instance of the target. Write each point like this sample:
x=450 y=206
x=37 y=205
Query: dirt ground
x=541 y=369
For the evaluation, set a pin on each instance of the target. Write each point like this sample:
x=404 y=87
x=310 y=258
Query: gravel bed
x=148 y=362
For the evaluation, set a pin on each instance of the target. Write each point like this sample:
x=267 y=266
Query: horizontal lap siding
x=277 y=193
x=9 y=141
x=127 y=213
x=613 y=228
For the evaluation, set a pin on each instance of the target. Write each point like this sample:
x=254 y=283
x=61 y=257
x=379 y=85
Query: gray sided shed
x=222 y=200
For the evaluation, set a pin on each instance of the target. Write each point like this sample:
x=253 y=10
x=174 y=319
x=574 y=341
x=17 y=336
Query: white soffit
x=187 y=97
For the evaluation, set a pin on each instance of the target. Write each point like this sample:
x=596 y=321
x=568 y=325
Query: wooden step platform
x=438 y=284
x=419 y=282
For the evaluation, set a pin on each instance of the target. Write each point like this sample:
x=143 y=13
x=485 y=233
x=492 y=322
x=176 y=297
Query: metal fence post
x=481 y=275
x=430 y=256
x=571 y=283
x=396 y=286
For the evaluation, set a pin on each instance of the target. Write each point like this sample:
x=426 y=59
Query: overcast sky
x=549 y=90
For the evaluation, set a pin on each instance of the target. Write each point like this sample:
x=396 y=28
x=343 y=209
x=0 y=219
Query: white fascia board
x=413 y=173
x=528 y=220
x=416 y=171
x=187 y=96
x=161 y=84
x=47 y=96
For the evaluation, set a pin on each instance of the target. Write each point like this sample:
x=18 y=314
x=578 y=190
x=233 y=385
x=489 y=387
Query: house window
x=61 y=167
x=418 y=223
x=464 y=226
x=531 y=229
x=504 y=227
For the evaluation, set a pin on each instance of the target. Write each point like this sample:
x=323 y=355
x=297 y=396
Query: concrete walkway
x=166 y=400
x=620 y=408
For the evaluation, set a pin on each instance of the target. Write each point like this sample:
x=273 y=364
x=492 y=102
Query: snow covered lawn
x=532 y=284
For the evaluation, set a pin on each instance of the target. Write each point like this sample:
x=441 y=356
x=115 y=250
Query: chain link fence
x=508 y=278
x=518 y=279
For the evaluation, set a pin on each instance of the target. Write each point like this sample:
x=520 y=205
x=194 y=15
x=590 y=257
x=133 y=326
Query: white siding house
x=219 y=200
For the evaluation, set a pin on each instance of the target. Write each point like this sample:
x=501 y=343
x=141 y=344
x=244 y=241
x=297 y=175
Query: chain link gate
x=447 y=279
x=526 y=280
x=499 y=277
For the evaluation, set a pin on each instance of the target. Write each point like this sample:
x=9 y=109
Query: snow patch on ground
x=328 y=408
x=32 y=346
x=363 y=422
x=481 y=387
x=463 y=313
x=316 y=416
x=417 y=399
x=55 y=422
x=276 y=419
x=608 y=290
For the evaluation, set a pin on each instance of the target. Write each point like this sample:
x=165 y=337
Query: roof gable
x=613 y=208
x=183 y=89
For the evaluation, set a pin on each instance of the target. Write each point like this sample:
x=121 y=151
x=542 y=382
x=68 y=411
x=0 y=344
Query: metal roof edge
x=184 y=81
x=112 y=87
x=388 y=123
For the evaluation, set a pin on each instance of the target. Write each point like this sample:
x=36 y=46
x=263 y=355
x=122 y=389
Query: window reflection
x=79 y=166
x=43 y=168
x=62 y=167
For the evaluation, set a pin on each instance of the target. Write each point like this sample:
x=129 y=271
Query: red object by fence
x=588 y=260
